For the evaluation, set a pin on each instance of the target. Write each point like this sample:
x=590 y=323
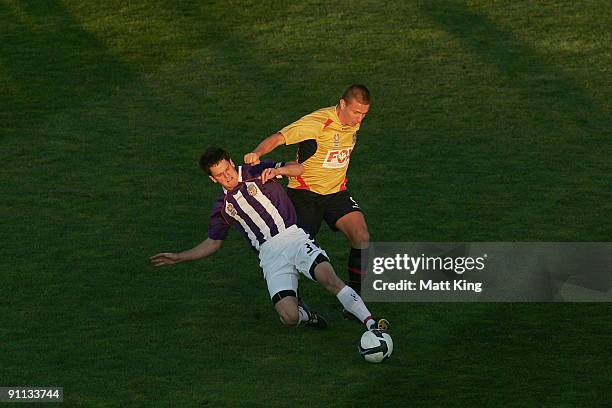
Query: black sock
x=355 y=270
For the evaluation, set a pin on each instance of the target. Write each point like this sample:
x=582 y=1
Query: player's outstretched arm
x=204 y=249
x=290 y=169
x=266 y=146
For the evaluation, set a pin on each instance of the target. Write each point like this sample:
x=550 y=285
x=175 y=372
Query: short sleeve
x=218 y=227
x=308 y=127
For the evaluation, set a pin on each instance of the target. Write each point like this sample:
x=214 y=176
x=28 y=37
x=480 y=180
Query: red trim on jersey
x=367 y=318
x=303 y=185
x=327 y=123
x=343 y=185
x=357 y=271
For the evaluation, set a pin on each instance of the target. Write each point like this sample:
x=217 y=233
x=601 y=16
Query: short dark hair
x=358 y=92
x=212 y=156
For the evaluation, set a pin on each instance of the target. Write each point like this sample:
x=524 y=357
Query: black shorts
x=312 y=208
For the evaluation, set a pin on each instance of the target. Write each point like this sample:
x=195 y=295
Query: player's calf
x=326 y=276
x=354 y=226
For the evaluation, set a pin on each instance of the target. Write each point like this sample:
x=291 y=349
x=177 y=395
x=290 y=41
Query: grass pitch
x=490 y=122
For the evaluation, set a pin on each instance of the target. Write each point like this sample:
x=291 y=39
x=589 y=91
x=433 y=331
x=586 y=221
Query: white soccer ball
x=375 y=346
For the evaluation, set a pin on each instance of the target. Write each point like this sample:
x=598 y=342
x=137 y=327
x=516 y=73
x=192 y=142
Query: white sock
x=303 y=315
x=354 y=304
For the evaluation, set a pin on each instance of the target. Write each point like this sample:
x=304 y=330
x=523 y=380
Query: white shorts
x=285 y=256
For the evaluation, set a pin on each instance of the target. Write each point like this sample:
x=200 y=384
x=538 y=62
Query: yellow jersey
x=325 y=147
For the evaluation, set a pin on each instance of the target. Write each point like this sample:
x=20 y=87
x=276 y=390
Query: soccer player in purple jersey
x=259 y=208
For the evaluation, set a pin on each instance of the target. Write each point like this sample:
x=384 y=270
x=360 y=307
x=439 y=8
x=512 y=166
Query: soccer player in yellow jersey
x=325 y=140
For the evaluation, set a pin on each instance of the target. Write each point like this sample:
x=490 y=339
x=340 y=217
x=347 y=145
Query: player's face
x=225 y=174
x=352 y=112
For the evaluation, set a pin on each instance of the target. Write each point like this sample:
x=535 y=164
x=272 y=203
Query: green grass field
x=491 y=121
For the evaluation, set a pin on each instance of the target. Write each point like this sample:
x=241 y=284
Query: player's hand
x=251 y=158
x=165 y=258
x=269 y=174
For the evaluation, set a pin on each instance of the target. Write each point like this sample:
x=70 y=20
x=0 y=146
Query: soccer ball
x=375 y=346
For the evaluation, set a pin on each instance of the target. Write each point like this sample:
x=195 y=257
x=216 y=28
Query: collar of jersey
x=239 y=180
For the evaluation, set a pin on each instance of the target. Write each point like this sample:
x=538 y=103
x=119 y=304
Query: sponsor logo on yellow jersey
x=337 y=158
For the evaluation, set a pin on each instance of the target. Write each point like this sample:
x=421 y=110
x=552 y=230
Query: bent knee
x=364 y=236
x=290 y=318
x=360 y=237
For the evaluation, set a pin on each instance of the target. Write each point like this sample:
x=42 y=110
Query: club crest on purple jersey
x=252 y=190
x=229 y=208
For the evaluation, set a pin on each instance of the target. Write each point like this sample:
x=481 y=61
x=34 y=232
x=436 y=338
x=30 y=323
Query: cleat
x=383 y=325
x=316 y=320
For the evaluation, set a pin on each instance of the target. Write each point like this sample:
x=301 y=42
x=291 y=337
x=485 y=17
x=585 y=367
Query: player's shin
x=354 y=304
x=355 y=269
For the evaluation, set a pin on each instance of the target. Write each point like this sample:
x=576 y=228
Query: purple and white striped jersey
x=259 y=211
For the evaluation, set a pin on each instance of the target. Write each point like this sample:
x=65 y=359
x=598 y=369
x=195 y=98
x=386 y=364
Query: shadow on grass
x=81 y=133
x=547 y=87
x=261 y=95
x=53 y=62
